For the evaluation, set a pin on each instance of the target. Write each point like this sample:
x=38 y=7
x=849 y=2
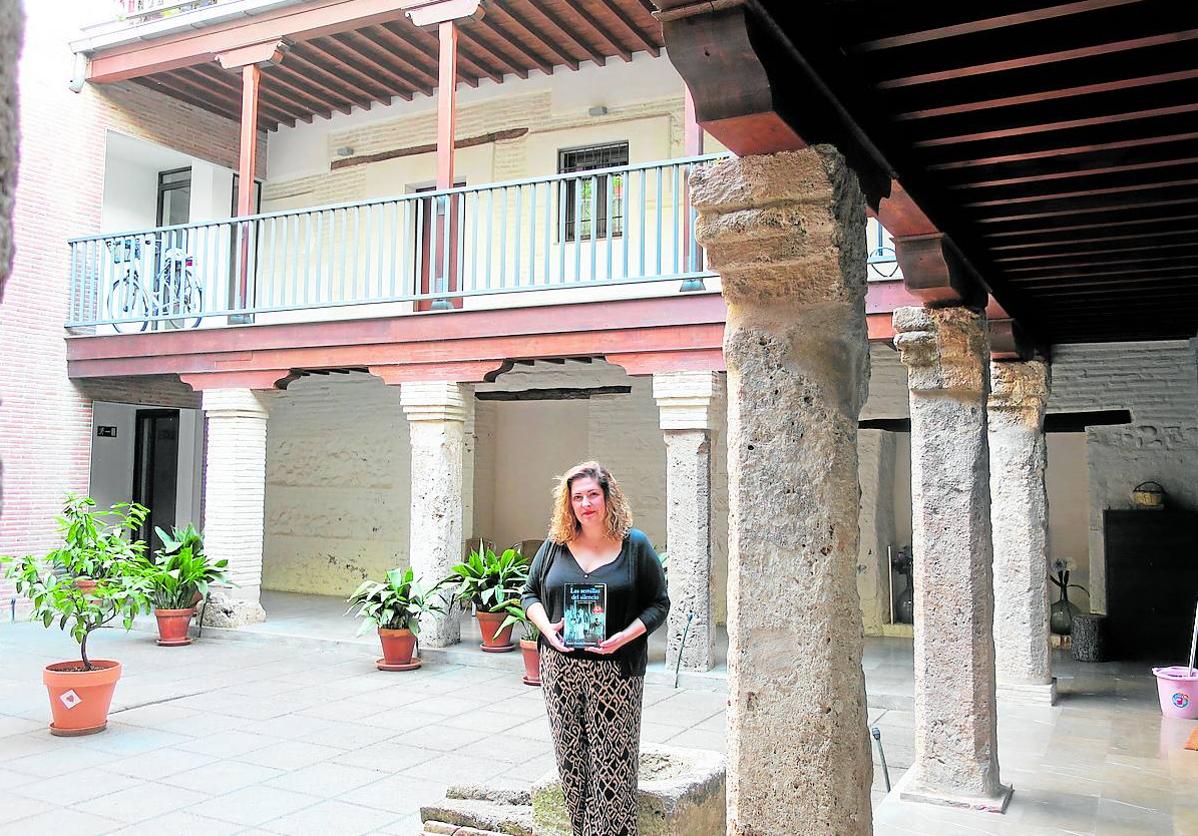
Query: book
x=584 y=614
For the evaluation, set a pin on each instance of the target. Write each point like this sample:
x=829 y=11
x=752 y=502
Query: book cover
x=585 y=614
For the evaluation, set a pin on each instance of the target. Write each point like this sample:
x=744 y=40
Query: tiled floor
x=272 y=732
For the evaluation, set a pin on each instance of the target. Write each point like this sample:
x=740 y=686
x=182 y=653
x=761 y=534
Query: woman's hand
x=554 y=636
x=633 y=631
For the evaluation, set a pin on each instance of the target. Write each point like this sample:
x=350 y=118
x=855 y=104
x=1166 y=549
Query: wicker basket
x=1148 y=495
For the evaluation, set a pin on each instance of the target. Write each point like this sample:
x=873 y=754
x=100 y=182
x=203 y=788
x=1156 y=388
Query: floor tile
x=324 y=779
x=332 y=817
x=254 y=806
x=221 y=777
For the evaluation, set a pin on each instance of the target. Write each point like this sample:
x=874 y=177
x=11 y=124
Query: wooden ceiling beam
x=1154 y=247
x=1075 y=227
x=471 y=42
x=601 y=30
x=424 y=69
x=310 y=91
x=271 y=103
x=492 y=24
x=426 y=44
x=1117 y=275
x=1085 y=210
x=1071 y=150
x=570 y=34
x=986 y=24
x=1075 y=173
x=364 y=54
x=533 y=31
x=332 y=60
x=1048 y=270
x=637 y=33
x=1047 y=196
x=326 y=79
x=1043 y=59
x=172 y=88
x=1093 y=240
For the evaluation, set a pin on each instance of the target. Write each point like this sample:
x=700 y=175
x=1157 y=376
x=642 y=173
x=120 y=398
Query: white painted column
x=688 y=401
x=946 y=354
x=783 y=232
x=234 y=501
x=1019 y=518
x=436 y=413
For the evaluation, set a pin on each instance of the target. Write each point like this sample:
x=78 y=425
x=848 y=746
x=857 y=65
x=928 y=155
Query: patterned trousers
x=595 y=717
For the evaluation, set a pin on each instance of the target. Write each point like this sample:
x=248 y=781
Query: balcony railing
x=421 y=251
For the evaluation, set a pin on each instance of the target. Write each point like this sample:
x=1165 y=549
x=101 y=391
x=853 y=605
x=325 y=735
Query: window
x=589 y=197
x=174 y=197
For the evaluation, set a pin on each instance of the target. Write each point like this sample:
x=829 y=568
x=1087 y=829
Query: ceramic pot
x=80 y=699
x=172 y=627
x=488 y=625
x=398 y=646
x=532 y=662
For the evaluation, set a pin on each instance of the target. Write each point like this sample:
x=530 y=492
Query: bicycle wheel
x=127 y=301
x=179 y=293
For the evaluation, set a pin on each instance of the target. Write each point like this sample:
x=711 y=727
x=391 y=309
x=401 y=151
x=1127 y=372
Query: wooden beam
x=1065 y=125
x=427 y=46
x=572 y=36
x=436 y=12
x=206 y=103
x=447 y=114
x=298 y=86
x=601 y=30
x=1065 y=151
x=637 y=33
x=317 y=55
x=503 y=62
x=491 y=22
x=329 y=81
x=267 y=52
x=363 y=52
x=558 y=394
x=374 y=37
x=935 y=271
x=429 y=148
x=533 y=31
x=207 y=75
x=1073 y=174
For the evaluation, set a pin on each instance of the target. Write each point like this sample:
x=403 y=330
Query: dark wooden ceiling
x=1056 y=143
x=374 y=64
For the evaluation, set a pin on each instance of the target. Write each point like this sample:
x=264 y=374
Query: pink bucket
x=1178 y=690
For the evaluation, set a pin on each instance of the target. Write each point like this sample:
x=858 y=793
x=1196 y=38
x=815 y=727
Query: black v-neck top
x=636 y=588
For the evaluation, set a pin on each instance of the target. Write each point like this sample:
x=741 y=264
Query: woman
x=605 y=573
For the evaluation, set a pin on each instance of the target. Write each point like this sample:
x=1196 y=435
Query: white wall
x=130 y=195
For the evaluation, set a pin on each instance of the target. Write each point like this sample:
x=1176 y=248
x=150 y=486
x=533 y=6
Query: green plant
x=517 y=615
x=96 y=548
x=395 y=604
x=487 y=580
x=182 y=570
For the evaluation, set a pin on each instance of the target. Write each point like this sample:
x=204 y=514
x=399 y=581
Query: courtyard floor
x=275 y=733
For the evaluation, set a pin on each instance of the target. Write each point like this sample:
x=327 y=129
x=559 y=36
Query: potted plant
x=489 y=582
x=394 y=607
x=529 y=647
x=179 y=578
x=81 y=690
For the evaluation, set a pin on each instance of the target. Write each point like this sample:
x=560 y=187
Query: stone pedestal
x=956 y=744
x=784 y=233
x=436 y=413
x=1019 y=519
x=687 y=401
x=235 y=500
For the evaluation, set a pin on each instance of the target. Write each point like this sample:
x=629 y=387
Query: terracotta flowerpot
x=79 y=699
x=85 y=584
x=172 y=627
x=398 y=647
x=532 y=662
x=488 y=624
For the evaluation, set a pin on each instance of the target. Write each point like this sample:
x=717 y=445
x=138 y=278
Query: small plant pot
x=488 y=624
x=532 y=662
x=80 y=699
x=85 y=584
x=398 y=647
x=172 y=627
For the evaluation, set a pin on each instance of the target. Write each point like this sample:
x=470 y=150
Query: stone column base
x=1028 y=694
x=909 y=790
x=225 y=611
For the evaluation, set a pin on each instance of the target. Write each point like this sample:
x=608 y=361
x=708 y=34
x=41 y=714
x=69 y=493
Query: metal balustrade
x=572 y=235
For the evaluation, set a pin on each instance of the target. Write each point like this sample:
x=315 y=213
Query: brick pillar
x=688 y=401
x=1019 y=517
x=436 y=413
x=784 y=232
x=234 y=500
x=956 y=745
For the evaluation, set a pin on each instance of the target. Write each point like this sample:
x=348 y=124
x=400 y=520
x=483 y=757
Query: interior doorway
x=156 y=470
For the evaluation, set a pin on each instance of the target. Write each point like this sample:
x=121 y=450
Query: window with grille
x=592 y=207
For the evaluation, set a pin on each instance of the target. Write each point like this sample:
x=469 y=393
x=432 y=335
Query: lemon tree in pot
x=179 y=577
x=489 y=582
x=394 y=607
x=81 y=690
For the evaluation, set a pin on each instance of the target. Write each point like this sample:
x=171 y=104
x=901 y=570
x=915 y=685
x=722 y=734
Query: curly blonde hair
x=564 y=526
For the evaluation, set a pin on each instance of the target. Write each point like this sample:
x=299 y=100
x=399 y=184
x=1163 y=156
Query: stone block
x=680 y=793
x=225 y=611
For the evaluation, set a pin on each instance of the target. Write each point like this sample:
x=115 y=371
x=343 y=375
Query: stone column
x=1019 y=518
x=956 y=747
x=877 y=458
x=687 y=401
x=470 y=444
x=784 y=233
x=235 y=500
x=436 y=413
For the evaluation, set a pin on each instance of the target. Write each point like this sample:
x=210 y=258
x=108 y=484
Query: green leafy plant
x=181 y=570
x=487 y=580
x=395 y=604
x=94 y=547
x=517 y=615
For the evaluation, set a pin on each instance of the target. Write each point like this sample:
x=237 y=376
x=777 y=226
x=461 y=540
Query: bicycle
x=173 y=290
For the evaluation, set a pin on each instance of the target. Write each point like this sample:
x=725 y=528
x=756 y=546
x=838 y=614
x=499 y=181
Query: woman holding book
x=595 y=590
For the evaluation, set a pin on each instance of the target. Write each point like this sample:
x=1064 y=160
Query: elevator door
x=156 y=470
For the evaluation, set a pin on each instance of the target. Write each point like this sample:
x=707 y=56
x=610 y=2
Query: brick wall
x=45 y=419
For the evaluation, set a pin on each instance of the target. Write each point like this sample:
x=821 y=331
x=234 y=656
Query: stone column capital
x=944 y=349
x=434 y=401
x=783 y=226
x=1019 y=387
x=235 y=403
x=688 y=400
